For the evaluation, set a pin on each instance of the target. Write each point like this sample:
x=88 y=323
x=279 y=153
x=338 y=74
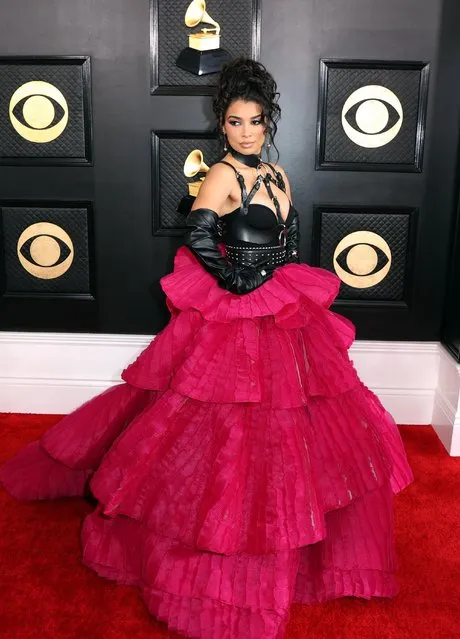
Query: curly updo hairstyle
x=248 y=80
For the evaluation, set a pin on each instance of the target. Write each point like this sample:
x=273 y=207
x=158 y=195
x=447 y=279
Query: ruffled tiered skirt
x=242 y=465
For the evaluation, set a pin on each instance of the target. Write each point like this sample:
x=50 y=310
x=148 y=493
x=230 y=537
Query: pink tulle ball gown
x=240 y=467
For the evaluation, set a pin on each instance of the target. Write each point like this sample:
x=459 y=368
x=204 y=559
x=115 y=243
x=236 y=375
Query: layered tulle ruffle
x=278 y=345
x=209 y=595
x=242 y=466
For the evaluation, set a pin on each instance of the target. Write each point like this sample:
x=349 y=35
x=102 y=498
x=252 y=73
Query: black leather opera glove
x=293 y=240
x=202 y=238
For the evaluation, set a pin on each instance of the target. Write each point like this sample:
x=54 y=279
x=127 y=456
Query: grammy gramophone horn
x=204 y=54
x=197 y=13
x=194 y=163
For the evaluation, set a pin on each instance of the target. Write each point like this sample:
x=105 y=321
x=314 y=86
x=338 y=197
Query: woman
x=242 y=466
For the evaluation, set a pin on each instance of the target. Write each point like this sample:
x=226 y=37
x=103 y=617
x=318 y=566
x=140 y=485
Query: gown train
x=241 y=466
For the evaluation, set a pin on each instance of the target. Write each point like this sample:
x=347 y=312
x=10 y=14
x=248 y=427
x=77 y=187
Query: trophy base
x=185 y=204
x=202 y=62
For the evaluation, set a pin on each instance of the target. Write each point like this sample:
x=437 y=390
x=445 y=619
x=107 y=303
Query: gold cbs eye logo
x=366 y=263
x=38 y=112
x=45 y=250
x=376 y=112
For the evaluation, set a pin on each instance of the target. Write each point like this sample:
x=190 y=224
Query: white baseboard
x=446 y=410
x=404 y=375
x=56 y=372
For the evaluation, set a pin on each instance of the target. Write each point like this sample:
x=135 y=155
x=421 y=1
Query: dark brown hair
x=248 y=80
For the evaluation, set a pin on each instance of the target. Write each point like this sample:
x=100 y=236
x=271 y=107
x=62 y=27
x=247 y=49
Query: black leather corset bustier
x=254 y=233
x=254 y=236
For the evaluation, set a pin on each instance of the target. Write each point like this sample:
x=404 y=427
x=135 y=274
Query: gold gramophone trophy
x=203 y=54
x=193 y=165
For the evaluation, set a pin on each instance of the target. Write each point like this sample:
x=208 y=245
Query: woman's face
x=245 y=127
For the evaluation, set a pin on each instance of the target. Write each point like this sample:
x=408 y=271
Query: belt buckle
x=282 y=236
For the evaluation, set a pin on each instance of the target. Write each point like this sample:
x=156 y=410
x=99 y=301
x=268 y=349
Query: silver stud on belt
x=273 y=255
x=256 y=248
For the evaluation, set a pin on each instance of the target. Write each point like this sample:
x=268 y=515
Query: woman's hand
x=202 y=238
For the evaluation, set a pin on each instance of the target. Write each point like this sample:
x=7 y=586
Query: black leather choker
x=251 y=160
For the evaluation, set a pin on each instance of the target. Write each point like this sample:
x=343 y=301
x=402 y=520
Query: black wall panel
x=442 y=195
x=129 y=258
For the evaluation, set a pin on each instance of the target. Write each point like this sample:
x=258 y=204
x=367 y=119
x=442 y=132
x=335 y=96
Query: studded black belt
x=271 y=256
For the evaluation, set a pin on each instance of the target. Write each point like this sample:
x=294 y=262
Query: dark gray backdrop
x=295 y=34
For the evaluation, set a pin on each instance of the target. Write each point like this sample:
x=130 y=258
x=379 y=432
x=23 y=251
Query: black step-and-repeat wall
x=106 y=132
x=445 y=160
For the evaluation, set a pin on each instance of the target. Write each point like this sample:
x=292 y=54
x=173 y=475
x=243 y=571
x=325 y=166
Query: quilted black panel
x=75 y=223
x=235 y=19
x=69 y=79
x=394 y=228
x=172 y=186
x=342 y=81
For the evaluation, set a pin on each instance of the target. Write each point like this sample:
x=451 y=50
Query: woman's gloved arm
x=293 y=231
x=293 y=239
x=202 y=238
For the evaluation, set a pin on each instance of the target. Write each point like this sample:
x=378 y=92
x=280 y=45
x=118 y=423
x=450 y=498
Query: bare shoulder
x=216 y=188
x=275 y=168
x=280 y=169
x=219 y=176
x=220 y=168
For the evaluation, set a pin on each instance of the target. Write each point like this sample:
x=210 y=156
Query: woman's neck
x=250 y=160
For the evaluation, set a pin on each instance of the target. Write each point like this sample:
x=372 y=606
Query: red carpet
x=45 y=592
